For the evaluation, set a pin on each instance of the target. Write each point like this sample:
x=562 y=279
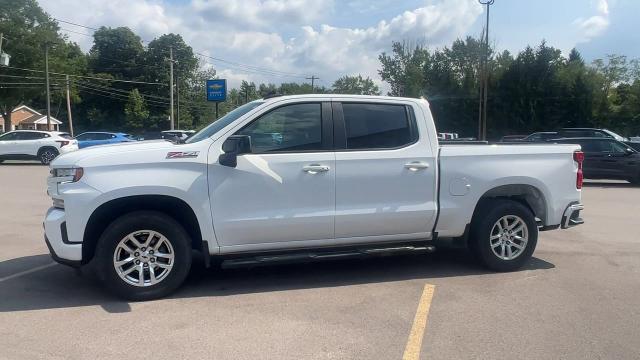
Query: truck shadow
x=58 y=286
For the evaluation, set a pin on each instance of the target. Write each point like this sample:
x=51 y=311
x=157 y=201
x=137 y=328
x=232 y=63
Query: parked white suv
x=35 y=145
x=300 y=178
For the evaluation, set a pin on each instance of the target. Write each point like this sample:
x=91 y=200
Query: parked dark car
x=606 y=158
x=542 y=136
x=509 y=138
x=597 y=133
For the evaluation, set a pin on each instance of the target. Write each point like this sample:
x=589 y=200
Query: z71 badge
x=182 y=154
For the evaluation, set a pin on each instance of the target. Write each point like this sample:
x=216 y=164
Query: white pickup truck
x=300 y=178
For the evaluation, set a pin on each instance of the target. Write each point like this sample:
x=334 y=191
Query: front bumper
x=571 y=216
x=61 y=249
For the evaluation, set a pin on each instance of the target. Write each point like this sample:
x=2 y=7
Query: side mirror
x=628 y=151
x=234 y=145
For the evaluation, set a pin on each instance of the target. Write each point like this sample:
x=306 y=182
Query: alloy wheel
x=509 y=237
x=143 y=258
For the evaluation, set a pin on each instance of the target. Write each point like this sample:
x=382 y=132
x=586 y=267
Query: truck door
x=617 y=162
x=385 y=172
x=284 y=190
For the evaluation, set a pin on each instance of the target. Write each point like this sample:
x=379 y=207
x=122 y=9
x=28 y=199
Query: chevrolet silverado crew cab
x=303 y=177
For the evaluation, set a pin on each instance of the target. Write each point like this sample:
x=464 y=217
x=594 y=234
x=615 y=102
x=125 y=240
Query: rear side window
x=377 y=126
x=592 y=146
x=29 y=136
x=102 y=136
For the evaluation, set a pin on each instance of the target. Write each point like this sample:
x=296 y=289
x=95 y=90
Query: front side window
x=29 y=136
x=219 y=124
x=9 y=137
x=376 y=126
x=296 y=127
x=614 y=147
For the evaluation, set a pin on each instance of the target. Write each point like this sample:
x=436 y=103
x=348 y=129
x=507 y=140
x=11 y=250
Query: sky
x=288 y=40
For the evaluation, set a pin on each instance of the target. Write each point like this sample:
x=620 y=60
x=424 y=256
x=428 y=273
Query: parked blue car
x=102 y=138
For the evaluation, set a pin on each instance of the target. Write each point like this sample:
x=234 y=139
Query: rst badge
x=182 y=154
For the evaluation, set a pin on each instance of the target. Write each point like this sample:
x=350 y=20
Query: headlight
x=68 y=174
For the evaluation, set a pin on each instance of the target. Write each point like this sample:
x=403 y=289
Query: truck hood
x=112 y=150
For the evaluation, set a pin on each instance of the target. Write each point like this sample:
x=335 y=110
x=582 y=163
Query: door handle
x=315 y=168
x=416 y=165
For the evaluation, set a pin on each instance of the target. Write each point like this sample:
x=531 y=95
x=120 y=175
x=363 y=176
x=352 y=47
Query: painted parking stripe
x=414 y=344
x=26 y=272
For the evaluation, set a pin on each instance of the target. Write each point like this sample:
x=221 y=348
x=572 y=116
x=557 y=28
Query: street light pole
x=484 y=79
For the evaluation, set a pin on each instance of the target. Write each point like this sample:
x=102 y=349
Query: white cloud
x=286 y=36
x=260 y=13
x=595 y=25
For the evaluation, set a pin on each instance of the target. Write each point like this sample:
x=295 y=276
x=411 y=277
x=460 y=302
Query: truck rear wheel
x=504 y=235
x=143 y=255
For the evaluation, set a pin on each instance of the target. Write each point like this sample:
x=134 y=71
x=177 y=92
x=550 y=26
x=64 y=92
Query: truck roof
x=342 y=96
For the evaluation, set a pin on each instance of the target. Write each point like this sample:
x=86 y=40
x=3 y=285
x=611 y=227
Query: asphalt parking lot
x=577 y=299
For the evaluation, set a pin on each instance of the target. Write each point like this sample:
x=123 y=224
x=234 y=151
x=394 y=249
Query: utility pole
x=46 y=69
x=171 y=84
x=177 y=103
x=69 y=108
x=312 y=78
x=484 y=78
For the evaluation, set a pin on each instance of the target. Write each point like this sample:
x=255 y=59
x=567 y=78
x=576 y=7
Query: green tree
x=135 y=111
x=355 y=85
x=28 y=28
x=403 y=69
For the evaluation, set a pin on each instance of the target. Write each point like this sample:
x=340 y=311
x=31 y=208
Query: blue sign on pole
x=217 y=90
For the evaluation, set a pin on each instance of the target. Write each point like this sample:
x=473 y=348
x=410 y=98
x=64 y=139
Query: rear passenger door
x=385 y=172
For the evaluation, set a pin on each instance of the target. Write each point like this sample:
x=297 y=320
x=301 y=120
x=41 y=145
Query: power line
x=88 y=77
x=75 y=32
x=72 y=23
x=125 y=93
x=240 y=66
x=255 y=69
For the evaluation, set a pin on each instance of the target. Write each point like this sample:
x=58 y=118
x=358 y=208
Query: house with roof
x=25 y=118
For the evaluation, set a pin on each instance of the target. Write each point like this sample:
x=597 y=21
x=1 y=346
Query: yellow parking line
x=414 y=344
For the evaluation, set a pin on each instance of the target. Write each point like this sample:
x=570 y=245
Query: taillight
x=63 y=142
x=578 y=156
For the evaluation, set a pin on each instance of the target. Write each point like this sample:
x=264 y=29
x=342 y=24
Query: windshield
x=230 y=117
x=615 y=136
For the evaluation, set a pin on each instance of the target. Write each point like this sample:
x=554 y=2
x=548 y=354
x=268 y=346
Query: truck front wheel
x=504 y=235
x=143 y=255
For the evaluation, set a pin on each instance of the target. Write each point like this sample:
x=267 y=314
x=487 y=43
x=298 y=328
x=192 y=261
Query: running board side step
x=321 y=255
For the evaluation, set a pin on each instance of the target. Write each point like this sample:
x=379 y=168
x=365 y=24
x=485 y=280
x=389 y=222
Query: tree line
x=537 y=89
x=122 y=82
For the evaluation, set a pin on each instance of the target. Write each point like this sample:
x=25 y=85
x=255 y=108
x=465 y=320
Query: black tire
x=133 y=222
x=485 y=218
x=47 y=154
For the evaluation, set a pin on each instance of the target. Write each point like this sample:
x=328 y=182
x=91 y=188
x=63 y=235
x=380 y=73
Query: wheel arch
x=106 y=213
x=45 y=147
x=526 y=194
